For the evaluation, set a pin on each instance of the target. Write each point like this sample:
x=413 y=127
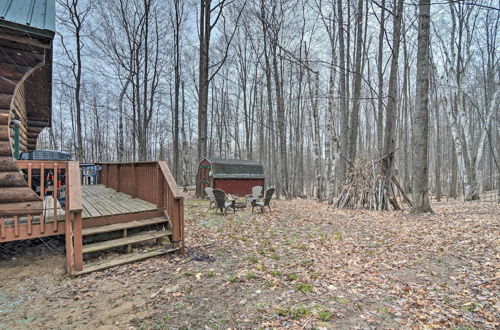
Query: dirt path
x=304 y=265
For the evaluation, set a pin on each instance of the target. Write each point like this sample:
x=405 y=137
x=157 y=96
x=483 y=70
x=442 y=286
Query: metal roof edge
x=231 y=161
x=27 y=29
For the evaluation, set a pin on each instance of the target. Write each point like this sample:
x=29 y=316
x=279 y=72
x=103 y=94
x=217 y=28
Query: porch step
x=121 y=260
x=125 y=241
x=126 y=225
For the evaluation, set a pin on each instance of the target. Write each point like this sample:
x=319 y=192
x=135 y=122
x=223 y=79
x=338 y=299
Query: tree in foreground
x=420 y=169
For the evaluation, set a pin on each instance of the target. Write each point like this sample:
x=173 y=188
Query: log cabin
x=133 y=204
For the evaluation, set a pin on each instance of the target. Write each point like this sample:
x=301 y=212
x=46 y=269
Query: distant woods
x=304 y=86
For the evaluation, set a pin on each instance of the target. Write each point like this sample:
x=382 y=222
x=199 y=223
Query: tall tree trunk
x=439 y=156
x=420 y=169
x=176 y=22
x=344 y=111
x=204 y=37
x=380 y=74
x=392 y=114
x=498 y=152
x=281 y=122
x=185 y=147
x=354 y=120
x=121 y=144
x=452 y=191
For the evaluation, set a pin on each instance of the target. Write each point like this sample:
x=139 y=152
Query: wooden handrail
x=74 y=221
x=72 y=229
x=73 y=188
x=56 y=167
x=170 y=179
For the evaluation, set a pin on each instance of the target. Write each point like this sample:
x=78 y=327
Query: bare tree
x=176 y=20
x=75 y=14
x=354 y=118
x=420 y=172
x=391 y=116
x=205 y=77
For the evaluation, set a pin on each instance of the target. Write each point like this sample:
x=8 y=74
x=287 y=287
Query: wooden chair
x=221 y=203
x=255 y=195
x=264 y=202
x=210 y=195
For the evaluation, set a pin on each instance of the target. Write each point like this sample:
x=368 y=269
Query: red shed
x=233 y=176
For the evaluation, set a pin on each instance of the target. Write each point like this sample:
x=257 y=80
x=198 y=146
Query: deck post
x=177 y=235
x=74 y=221
x=78 y=240
x=70 y=261
x=160 y=202
x=136 y=181
x=118 y=178
x=181 y=223
x=104 y=174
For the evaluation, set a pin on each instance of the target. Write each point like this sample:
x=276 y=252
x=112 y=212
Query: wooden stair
x=121 y=260
x=162 y=231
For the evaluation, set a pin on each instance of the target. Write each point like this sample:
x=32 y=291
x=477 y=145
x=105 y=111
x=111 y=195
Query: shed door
x=204 y=177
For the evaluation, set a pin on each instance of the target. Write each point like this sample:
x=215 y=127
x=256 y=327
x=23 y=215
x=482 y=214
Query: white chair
x=255 y=195
x=210 y=194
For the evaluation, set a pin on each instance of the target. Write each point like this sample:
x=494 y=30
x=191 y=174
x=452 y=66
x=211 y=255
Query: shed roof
x=30 y=16
x=236 y=168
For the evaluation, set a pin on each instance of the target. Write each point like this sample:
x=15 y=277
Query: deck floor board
x=97 y=201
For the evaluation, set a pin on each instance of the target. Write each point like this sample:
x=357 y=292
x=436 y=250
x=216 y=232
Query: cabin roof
x=30 y=16
x=235 y=168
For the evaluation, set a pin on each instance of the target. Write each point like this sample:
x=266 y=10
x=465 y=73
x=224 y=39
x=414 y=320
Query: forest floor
x=303 y=265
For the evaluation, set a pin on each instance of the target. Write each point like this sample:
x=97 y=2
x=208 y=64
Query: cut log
x=8 y=86
x=5 y=148
x=5 y=100
x=17 y=194
x=10 y=71
x=22 y=208
x=16 y=56
x=7 y=164
x=12 y=179
x=4 y=132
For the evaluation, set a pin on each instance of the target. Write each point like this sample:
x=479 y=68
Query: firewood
x=364 y=188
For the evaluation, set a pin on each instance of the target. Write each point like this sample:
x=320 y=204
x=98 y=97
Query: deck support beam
x=78 y=240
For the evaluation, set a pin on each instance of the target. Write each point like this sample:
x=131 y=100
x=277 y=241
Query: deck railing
x=60 y=174
x=37 y=174
x=152 y=182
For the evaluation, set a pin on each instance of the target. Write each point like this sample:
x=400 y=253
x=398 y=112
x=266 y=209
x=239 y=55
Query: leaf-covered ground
x=304 y=265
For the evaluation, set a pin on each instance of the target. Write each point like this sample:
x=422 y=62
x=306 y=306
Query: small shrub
x=295 y=313
x=325 y=315
x=250 y=276
x=233 y=279
x=340 y=300
x=303 y=287
x=276 y=273
x=252 y=259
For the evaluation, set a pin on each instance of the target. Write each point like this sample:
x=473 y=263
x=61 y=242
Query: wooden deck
x=98 y=201
x=101 y=201
x=140 y=200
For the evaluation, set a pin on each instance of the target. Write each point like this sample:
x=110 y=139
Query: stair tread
x=121 y=260
x=94 y=247
x=125 y=225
